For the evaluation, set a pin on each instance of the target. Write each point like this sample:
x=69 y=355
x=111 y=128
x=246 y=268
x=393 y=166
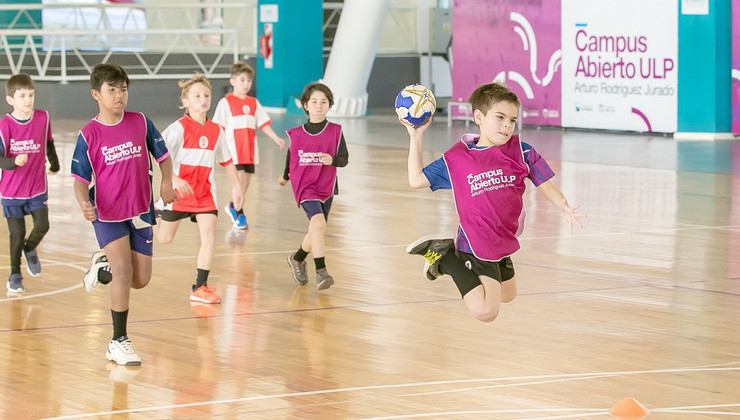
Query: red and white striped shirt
x=241 y=117
x=194 y=149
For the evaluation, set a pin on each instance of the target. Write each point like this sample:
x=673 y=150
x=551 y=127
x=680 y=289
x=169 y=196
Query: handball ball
x=415 y=104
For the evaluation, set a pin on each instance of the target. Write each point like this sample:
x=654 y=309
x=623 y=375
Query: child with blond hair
x=196 y=144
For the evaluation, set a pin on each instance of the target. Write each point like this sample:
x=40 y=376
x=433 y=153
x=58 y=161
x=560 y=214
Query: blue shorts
x=17 y=208
x=140 y=239
x=314 y=207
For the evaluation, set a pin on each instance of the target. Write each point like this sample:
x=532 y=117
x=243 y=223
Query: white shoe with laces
x=98 y=261
x=122 y=352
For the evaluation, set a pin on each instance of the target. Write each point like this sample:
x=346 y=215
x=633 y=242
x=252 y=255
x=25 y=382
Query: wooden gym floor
x=644 y=302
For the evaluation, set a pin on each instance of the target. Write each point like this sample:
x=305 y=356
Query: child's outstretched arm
x=417 y=179
x=271 y=134
x=557 y=198
x=166 y=191
x=237 y=195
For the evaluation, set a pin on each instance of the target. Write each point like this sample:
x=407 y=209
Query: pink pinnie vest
x=29 y=180
x=487 y=185
x=119 y=157
x=311 y=179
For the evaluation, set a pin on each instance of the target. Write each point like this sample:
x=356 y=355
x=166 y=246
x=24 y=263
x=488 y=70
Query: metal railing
x=49 y=59
x=152 y=40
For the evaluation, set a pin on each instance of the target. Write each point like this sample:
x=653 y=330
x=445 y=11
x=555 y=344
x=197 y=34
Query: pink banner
x=516 y=42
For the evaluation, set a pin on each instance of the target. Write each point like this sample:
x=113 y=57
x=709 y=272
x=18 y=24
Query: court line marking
x=579 y=376
x=430 y=383
x=51 y=292
x=79 y=285
x=591 y=413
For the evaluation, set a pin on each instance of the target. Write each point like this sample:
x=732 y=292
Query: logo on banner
x=529 y=41
x=621 y=64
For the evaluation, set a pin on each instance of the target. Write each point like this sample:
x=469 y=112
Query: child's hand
x=167 y=193
x=237 y=197
x=327 y=159
x=181 y=186
x=52 y=173
x=21 y=159
x=280 y=142
x=570 y=215
x=415 y=130
x=282 y=181
x=88 y=211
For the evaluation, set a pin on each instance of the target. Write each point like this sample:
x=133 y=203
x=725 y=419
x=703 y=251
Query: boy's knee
x=506 y=298
x=208 y=239
x=140 y=283
x=318 y=223
x=123 y=273
x=486 y=314
x=41 y=227
x=508 y=291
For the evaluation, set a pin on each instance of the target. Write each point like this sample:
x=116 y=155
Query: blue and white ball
x=415 y=104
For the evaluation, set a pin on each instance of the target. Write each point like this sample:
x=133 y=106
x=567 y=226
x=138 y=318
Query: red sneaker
x=205 y=294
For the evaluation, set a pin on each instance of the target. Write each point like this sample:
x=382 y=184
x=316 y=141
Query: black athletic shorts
x=248 y=168
x=173 y=216
x=500 y=271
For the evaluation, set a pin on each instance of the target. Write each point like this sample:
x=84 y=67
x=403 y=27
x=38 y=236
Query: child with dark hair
x=25 y=146
x=317 y=149
x=113 y=187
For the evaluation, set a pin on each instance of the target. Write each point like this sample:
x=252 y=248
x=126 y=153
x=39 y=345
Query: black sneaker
x=432 y=248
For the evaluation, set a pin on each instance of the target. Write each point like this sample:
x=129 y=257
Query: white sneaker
x=98 y=261
x=122 y=352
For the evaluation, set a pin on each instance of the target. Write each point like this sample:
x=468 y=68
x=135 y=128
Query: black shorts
x=248 y=167
x=500 y=271
x=173 y=216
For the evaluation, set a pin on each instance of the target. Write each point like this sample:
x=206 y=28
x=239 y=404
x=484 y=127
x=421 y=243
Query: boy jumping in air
x=486 y=173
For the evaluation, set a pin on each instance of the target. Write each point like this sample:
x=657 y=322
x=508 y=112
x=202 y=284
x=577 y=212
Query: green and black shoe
x=432 y=248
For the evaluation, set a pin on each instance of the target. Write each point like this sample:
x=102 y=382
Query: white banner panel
x=619 y=65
